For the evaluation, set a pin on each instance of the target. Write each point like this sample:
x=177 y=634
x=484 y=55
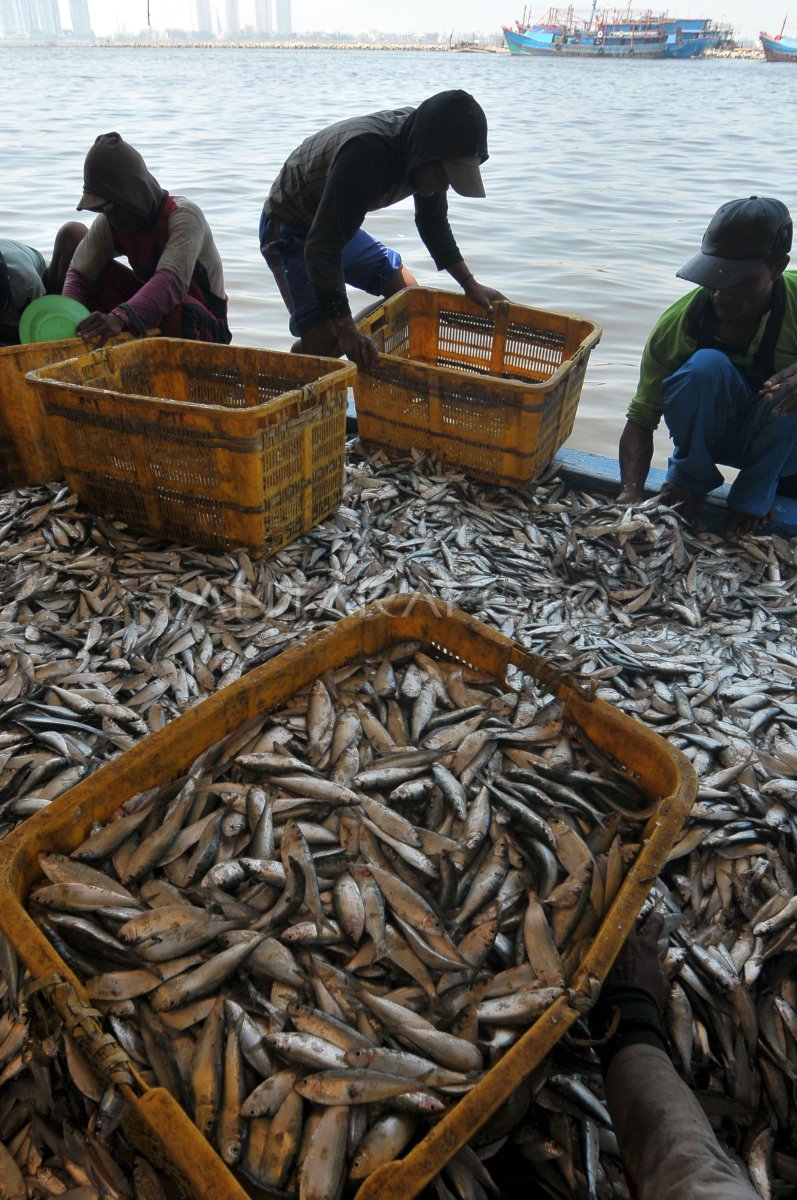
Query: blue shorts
x=367 y=265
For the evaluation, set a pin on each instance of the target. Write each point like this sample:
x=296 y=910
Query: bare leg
x=67 y=240
x=402 y=279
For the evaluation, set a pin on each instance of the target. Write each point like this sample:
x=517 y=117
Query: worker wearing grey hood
x=310 y=230
x=175 y=281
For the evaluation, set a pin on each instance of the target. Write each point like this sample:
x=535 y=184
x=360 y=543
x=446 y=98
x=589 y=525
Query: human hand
x=100 y=327
x=639 y=961
x=781 y=390
x=485 y=296
x=356 y=346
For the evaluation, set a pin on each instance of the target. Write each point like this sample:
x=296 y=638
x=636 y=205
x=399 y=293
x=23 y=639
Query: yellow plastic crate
x=215 y=445
x=494 y=394
x=156 y=1121
x=27 y=453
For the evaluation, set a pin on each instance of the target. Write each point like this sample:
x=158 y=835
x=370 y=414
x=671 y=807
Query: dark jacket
x=335 y=177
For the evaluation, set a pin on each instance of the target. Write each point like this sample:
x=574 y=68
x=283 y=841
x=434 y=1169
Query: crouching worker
x=175 y=280
x=25 y=276
x=311 y=231
x=721 y=366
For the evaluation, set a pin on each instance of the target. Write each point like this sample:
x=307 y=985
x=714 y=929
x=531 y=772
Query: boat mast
x=592 y=14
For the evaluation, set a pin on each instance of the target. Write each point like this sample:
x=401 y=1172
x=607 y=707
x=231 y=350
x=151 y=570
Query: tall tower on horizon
x=263 y=21
x=203 y=17
x=12 y=19
x=81 y=21
x=45 y=18
x=284 y=27
x=233 y=27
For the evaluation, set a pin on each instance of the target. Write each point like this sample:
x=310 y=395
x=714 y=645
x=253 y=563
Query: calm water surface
x=601 y=178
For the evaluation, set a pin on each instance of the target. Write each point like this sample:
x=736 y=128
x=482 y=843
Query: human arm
x=431 y=220
x=666 y=1142
x=636 y=455
x=188 y=236
x=90 y=259
x=357 y=182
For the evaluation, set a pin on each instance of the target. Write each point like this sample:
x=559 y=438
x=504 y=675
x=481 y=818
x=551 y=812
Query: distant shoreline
x=741 y=52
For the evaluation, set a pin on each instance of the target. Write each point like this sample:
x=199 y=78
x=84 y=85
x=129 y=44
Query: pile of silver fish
x=104 y=637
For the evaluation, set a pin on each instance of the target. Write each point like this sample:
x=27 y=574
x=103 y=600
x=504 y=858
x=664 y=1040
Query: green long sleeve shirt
x=669 y=346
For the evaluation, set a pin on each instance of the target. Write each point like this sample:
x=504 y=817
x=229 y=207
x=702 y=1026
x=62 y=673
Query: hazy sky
x=461 y=16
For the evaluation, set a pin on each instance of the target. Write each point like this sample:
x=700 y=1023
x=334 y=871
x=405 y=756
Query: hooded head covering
x=450 y=127
x=115 y=173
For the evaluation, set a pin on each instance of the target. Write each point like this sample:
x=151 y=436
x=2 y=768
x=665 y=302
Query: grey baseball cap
x=741 y=236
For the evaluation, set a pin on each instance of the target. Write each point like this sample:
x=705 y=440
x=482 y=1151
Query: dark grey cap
x=741 y=236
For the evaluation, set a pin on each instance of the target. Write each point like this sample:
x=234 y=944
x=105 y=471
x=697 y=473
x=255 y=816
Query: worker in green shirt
x=721 y=367
x=25 y=276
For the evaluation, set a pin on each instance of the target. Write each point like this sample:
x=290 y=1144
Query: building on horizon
x=45 y=18
x=30 y=18
x=284 y=27
x=263 y=21
x=81 y=21
x=12 y=23
x=233 y=24
x=203 y=17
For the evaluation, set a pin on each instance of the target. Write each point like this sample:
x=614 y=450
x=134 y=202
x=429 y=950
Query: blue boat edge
x=594 y=473
x=778 y=48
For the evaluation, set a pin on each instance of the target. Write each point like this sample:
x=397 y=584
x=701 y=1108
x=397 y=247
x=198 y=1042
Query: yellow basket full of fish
x=217 y=446
x=363 y=891
x=494 y=394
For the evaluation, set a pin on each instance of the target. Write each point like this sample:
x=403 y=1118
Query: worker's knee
x=69 y=237
x=67 y=240
x=400 y=279
x=710 y=366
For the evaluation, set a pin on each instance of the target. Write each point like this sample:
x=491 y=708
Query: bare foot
x=675 y=496
x=739 y=523
x=630 y=495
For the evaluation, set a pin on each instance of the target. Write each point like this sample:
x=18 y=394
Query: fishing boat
x=779 y=48
x=625 y=36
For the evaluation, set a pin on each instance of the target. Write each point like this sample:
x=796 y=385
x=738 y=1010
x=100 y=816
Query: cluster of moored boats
x=629 y=35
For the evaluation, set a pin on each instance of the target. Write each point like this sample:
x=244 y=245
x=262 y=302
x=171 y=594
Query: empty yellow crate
x=492 y=393
x=219 y=446
x=27 y=453
x=663 y=773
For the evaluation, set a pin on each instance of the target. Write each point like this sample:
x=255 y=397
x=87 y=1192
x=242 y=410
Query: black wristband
x=626 y=1014
x=134 y=322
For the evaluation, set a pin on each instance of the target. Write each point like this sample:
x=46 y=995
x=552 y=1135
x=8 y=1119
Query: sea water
x=601 y=179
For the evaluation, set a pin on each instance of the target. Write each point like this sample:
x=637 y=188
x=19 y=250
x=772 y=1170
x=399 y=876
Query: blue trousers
x=367 y=264
x=714 y=416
